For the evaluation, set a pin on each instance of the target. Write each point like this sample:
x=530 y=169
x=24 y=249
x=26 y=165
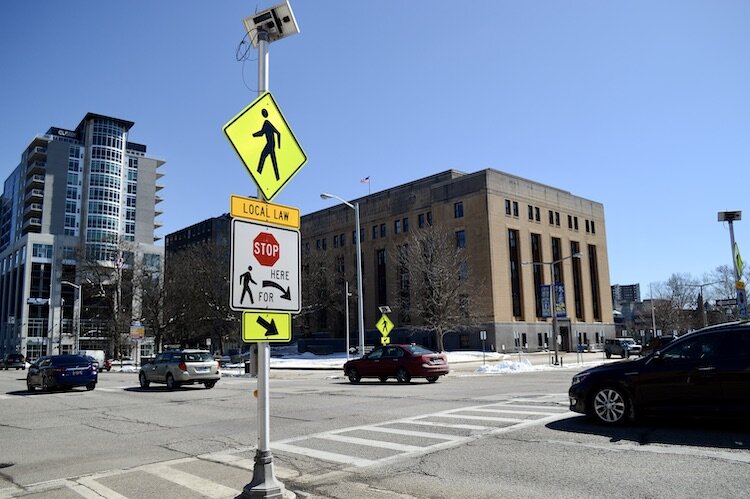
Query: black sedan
x=64 y=371
x=704 y=373
x=402 y=362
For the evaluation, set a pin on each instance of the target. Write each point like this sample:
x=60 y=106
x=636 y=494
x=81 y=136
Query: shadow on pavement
x=714 y=433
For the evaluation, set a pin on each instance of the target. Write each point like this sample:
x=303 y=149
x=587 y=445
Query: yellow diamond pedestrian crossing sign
x=262 y=139
x=384 y=325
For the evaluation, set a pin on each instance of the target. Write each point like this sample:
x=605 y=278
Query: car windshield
x=418 y=350
x=197 y=357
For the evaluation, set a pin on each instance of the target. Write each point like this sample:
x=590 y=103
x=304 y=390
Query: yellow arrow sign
x=266 y=145
x=272 y=327
x=384 y=325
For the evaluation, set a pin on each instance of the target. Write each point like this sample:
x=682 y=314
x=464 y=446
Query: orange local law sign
x=253 y=209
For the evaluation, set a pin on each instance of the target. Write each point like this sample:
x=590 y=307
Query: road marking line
x=193 y=482
x=479 y=418
x=445 y=425
x=519 y=406
x=9 y=492
x=326 y=456
x=373 y=443
x=509 y=411
x=424 y=434
x=84 y=491
x=91 y=484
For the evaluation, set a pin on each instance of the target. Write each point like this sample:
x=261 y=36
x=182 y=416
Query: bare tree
x=436 y=290
x=197 y=297
x=323 y=289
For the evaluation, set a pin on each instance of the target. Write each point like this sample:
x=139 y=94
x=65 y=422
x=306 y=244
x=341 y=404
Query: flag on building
x=365 y=180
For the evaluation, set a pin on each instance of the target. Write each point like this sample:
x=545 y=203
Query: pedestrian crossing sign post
x=385 y=326
x=266 y=145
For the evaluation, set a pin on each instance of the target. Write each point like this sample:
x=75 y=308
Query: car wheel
x=402 y=375
x=171 y=383
x=209 y=384
x=353 y=375
x=45 y=384
x=91 y=386
x=432 y=379
x=143 y=381
x=608 y=354
x=383 y=379
x=610 y=405
x=29 y=386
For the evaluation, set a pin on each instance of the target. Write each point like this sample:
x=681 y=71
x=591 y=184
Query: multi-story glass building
x=78 y=197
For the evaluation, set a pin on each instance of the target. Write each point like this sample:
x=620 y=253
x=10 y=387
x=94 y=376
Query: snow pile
x=506 y=367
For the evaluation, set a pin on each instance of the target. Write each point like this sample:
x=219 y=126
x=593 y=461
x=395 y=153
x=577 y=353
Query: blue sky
x=641 y=105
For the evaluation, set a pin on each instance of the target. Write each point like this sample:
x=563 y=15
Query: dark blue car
x=63 y=371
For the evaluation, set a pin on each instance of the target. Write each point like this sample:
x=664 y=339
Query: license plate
x=202 y=369
x=77 y=372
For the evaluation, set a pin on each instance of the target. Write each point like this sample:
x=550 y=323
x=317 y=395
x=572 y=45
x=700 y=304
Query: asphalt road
x=468 y=435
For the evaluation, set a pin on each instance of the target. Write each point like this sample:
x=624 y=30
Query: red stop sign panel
x=266 y=249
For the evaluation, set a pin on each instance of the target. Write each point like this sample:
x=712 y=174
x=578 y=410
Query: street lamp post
x=357 y=237
x=552 y=295
x=76 y=315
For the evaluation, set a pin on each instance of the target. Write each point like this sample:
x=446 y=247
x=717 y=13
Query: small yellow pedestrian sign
x=266 y=145
x=272 y=327
x=384 y=325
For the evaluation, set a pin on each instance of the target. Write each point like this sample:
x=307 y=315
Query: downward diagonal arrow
x=270 y=327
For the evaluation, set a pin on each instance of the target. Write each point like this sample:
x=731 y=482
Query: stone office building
x=505 y=223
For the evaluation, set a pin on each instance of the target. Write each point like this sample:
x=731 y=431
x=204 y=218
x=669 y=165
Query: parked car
x=624 y=347
x=657 y=343
x=63 y=371
x=180 y=367
x=14 y=360
x=402 y=362
x=703 y=373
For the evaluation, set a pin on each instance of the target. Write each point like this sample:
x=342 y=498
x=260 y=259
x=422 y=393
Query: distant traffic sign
x=266 y=145
x=266 y=327
x=730 y=302
x=253 y=209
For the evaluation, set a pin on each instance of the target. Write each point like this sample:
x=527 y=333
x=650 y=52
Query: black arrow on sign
x=287 y=293
x=270 y=327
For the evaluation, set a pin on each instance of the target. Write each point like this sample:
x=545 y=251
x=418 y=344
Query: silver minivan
x=180 y=367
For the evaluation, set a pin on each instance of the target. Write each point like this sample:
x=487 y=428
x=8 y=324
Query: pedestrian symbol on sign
x=270 y=133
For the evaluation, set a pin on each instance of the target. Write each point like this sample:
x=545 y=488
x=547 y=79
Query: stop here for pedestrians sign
x=265 y=267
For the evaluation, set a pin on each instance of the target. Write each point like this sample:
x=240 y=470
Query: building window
x=575 y=223
x=458 y=209
x=577 y=280
x=420 y=220
x=537 y=214
x=588 y=227
x=382 y=230
x=593 y=228
x=323 y=243
x=594 y=272
x=515 y=208
x=515 y=274
x=537 y=271
x=557 y=218
x=354 y=236
x=460 y=239
x=429 y=218
x=406 y=224
x=374 y=231
x=551 y=217
x=531 y=212
x=342 y=240
x=336 y=241
x=397 y=227
x=570 y=221
x=507 y=206
x=380 y=273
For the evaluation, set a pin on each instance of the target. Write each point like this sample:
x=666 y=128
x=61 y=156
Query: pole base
x=264 y=483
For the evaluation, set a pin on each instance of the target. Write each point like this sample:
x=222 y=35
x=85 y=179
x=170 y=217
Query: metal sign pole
x=264 y=483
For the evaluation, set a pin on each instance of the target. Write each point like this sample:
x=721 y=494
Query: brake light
x=182 y=366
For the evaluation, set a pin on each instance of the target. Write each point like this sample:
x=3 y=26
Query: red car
x=402 y=362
